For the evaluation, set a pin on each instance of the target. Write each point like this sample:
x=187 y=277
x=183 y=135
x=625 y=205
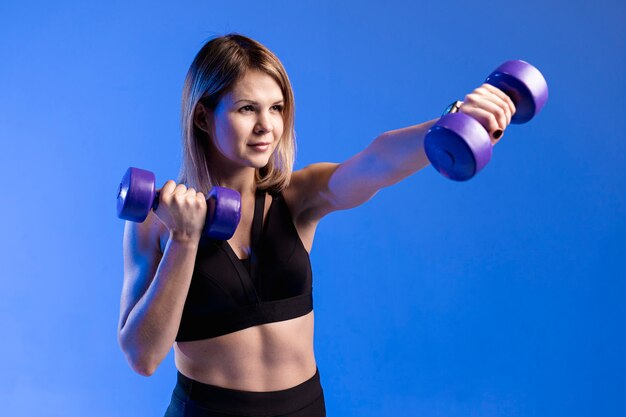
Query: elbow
x=139 y=359
x=143 y=368
x=141 y=363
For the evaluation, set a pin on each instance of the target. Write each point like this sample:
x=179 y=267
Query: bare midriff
x=269 y=357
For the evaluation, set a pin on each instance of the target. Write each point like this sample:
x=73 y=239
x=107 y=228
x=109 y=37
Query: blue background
x=500 y=296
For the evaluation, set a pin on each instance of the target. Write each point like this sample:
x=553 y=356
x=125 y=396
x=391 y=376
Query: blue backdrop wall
x=501 y=296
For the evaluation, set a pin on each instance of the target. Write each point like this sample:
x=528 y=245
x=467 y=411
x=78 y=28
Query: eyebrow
x=256 y=102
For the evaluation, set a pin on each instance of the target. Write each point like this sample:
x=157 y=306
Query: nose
x=264 y=124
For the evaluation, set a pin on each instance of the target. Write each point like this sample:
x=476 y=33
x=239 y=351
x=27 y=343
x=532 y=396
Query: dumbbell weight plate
x=136 y=195
x=224 y=211
x=524 y=84
x=458 y=146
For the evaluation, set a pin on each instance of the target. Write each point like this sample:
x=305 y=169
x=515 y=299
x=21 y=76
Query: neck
x=231 y=175
x=241 y=181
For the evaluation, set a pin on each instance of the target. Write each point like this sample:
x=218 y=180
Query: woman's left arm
x=391 y=157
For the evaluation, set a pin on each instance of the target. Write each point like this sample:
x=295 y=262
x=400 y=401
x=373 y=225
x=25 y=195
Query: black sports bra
x=229 y=294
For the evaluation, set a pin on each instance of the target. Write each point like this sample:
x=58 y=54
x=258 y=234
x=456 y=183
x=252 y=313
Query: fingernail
x=497 y=134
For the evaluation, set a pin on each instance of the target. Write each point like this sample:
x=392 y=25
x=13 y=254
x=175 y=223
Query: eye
x=247 y=108
x=278 y=107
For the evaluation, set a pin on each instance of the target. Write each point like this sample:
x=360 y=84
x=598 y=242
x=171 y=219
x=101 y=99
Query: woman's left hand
x=491 y=108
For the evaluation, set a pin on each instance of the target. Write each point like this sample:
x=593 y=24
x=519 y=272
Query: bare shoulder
x=308 y=194
x=142 y=254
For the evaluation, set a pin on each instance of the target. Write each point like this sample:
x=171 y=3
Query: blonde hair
x=216 y=68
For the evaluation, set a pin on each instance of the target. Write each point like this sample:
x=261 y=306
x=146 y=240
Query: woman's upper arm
x=391 y=157
x=142 y=254
x=326 y=187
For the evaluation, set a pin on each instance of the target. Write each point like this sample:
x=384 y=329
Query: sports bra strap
x=257 y=229
x=257 y=222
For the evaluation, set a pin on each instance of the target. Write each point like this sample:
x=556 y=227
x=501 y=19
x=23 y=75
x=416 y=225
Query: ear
x=201 y=118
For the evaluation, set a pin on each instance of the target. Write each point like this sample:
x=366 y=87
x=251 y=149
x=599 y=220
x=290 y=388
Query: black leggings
x=195 y=399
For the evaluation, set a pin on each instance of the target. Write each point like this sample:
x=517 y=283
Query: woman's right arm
x=156 y=283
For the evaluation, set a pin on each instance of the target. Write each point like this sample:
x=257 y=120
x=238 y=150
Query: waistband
x=249 y=402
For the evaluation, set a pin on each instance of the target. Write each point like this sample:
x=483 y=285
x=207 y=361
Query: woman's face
x=247 y=122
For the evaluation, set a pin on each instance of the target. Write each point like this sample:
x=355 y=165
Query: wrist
x=453 y=107
x=182 y=238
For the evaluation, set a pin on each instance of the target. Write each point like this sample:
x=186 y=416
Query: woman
x=239 y=312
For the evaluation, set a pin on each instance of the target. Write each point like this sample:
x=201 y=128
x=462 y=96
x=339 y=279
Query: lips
x=260 y=146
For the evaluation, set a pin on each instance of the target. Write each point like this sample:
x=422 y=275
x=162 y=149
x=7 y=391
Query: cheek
x=280 y=126
x=279 y=138
x=239 y=129
x=226 y=135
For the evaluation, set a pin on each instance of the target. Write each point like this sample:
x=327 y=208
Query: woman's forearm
x=391 y=157
x=399 y=153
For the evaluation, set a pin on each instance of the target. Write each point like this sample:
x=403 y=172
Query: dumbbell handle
x=228 y=206
x=155 y=203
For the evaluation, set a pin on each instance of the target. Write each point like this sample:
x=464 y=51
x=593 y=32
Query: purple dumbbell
x=137 y=196
x=458 y=146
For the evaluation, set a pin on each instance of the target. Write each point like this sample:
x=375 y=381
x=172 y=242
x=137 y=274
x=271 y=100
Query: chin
x=259 y=165
x=259 y=161
x=256 y=163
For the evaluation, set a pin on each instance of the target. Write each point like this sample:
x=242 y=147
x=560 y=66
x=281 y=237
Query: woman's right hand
x=182 y=210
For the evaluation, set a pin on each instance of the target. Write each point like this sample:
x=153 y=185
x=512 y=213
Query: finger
x=497 y=109
x=201 y=200
x=166 y=191
x=180 y=189
x=168 y=187
x=497 y=97
x=495 y=140
x=483 y=98
x=190 y=195
x=510 y=106
x=487 y=119
x=501 y=109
